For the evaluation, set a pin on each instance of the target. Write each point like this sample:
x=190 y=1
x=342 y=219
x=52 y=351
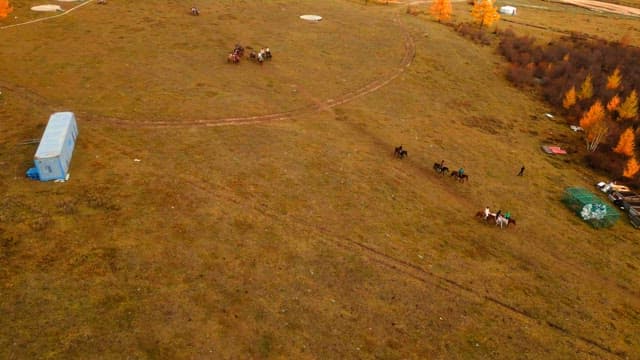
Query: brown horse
x=459 y=177
x=491 y=217
x=233 y=58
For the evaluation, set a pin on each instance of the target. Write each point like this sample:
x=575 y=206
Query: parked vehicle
x=617 y=197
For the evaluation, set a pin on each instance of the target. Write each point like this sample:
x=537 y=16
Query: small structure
x=590 y=208
x=53 y=155
x=553 y=150
x=508 y=10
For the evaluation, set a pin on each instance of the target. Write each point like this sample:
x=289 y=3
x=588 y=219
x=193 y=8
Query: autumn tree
x=613 y=80
x=5 y=8
x=484 y=13
x=632 y=167
x=586 y=90
x=629 y=108
x=613 y=104
x=627 y=143
x=441 y=10
x=569 y=98
x=594 y=125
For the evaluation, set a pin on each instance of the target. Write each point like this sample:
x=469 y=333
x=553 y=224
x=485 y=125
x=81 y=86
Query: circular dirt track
x=405 y=62
x=397 y=61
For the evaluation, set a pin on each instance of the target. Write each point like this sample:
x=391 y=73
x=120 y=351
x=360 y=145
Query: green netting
x=590 y=208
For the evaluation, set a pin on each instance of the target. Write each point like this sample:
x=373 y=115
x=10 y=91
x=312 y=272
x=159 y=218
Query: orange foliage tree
x=627 y=143
x=629 y=108
x=613 y=80
x=484 y=13
x=5 y=9
x=631 y=169
x=586 y=90
x=441 y=10
x=569 y=98
x=613 y=103
x=594 y=124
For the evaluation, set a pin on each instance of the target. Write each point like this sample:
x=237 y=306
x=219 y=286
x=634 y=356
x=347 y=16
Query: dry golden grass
x=303 y=237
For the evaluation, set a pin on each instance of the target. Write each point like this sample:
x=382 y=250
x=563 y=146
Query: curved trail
x=405 y=62
x=45 y=18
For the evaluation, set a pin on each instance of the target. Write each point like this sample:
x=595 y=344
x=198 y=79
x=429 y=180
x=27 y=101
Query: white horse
x=502 y=221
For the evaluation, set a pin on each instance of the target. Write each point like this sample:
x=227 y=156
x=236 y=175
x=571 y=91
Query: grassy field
x=242 y=234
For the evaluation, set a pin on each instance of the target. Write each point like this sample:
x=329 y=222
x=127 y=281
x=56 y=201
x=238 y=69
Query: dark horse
x=440 y=169
x=459 y=177
x=399 y=152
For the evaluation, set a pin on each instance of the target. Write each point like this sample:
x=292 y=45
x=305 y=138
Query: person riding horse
x=195 y=11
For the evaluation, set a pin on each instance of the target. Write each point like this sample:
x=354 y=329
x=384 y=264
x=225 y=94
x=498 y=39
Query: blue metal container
x=54 y=153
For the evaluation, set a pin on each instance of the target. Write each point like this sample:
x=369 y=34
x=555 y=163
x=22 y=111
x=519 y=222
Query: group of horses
x=441 y=169
x=487 y=217
x=238 y=52
x=499 y=220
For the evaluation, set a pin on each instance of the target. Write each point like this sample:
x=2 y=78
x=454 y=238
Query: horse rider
x=507 y=215
x=487 y=212
x=195 y=11
x=460 y=172
x=498 y=214
x=267 y=53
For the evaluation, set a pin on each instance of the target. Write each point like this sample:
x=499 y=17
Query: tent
x=508 y=10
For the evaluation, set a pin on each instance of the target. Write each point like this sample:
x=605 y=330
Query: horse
x=459 y=177
x=233 y=58
x=502 y=221
x=238 y=50
x=397 y=150
x=440 y=169
x=403 y=153
x=490 y=217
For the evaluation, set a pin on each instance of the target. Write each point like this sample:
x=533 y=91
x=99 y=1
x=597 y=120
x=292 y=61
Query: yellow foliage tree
x=613 y=80
x=484 y=13
x=627 y=143
x=5 y=8
x=441 y=10
x=629 y=108
x=569 y=98
x=613 y=103
x=594 y=124
x=586 y=90
x=631 y=169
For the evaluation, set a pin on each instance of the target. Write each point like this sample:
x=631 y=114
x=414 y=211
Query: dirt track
x=602 y=6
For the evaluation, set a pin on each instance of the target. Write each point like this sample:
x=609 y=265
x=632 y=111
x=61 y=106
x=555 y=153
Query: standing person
x=521 y=173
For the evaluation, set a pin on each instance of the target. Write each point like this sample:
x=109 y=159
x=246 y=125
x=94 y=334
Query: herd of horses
x=238 y=52
x=498 y=219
